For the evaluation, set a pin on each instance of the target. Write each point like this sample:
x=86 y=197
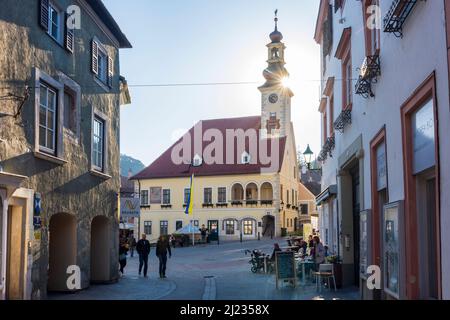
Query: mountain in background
x=128 y=163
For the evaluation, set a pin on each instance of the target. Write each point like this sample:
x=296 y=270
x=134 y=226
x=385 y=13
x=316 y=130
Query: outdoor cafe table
x=290 y=248
x=303 y=263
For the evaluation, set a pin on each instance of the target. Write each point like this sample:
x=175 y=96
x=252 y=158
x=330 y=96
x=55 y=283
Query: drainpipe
x=139 y=219
x=4 y=248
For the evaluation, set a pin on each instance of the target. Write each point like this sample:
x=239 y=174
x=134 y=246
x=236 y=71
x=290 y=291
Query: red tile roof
x=164 y=167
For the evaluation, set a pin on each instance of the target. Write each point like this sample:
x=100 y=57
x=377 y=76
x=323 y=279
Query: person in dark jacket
x=143 y=249
x=276 y=248
x=162 y=248
x=123 y=249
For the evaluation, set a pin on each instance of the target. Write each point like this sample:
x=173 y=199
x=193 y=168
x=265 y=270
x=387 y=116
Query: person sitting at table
x=276 y=248
x=310 y=242
x=326 y=251
x=319 y=252
x=303 y=246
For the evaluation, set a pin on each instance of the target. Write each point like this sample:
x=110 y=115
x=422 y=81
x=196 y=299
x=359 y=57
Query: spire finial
x=276 y=19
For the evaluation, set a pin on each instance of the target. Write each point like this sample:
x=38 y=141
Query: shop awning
x=329 y=192
x=126 y=226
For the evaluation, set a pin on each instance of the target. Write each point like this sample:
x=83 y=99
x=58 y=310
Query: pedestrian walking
x=162 y=248
x=203 y=233
x=132 y=243
x=123 y=249
x=143 y=250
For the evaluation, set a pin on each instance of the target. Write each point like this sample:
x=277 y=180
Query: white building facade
x=385 y=116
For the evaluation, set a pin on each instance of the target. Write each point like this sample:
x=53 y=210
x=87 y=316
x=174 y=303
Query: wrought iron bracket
x=344 y=119
x=398 y=13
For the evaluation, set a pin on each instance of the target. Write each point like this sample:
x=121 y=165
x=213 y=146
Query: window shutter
x=110 y=71
x=43 y=14
x=69 y=36
x=94 y=57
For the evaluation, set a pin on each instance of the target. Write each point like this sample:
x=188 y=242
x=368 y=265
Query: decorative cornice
x=343 y=43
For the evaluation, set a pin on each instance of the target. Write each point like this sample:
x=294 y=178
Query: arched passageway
x=100 y=249
x=62 y=250
x=268 y=226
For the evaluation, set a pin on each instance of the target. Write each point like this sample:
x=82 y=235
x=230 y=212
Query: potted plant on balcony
x=337 y=266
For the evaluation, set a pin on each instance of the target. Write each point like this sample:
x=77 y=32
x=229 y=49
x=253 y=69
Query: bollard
x=241 y=236
x=259 y=236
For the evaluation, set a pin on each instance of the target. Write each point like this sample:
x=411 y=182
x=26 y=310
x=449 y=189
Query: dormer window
x=197 y=161
x=245 y=158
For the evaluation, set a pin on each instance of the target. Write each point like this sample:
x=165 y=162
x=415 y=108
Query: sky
x=210 y=41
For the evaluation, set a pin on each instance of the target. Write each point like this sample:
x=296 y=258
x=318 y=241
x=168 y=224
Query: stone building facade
x=60 y=94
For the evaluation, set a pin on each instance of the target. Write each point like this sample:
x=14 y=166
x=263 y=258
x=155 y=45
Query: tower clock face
x=273 y=98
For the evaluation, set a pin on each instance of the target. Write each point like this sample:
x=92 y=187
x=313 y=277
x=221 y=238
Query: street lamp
x=308 y=155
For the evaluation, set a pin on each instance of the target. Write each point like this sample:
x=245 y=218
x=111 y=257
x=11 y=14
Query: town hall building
x=240 y=193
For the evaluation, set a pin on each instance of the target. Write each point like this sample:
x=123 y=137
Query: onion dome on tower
x=275 y=72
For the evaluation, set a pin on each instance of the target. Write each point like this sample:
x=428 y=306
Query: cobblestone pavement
x=207 y=272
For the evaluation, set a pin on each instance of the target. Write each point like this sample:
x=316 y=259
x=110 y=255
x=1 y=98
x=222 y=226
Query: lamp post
x=308 y=155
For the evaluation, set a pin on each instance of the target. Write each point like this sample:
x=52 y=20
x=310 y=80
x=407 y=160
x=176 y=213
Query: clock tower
x=276 y=97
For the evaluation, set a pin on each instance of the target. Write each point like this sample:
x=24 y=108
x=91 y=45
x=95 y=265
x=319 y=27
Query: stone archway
x=100 y=249
x=268 y=226
x=62 y=250
x=237 y=193
x=251 y=193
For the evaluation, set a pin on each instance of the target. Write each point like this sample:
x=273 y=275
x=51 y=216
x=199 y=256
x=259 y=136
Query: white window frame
x=165 y=224
x=102 y=56
x=148 y=223
x=246 y=221
x=98 y=155
x=60 y=23
x=147 y=202
x=230 y=222
x=95 y=169
x=53 y=128
x=218 y=195
x=197 y=161
x=97 y=77
x=162 y=195
x=55 y=155
x=185 y=200
x=75 y=89
x=245 y=158
x=204 y=189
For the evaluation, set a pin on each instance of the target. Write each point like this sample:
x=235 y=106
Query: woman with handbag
x=123 y=249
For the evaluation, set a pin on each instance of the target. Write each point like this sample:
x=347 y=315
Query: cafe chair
x=326 y=271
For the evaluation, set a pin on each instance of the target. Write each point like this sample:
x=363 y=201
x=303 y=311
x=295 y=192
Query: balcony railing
x=221 y=204
x=398 y=13
x=266 y=202
x=344 y=119
x=236 y=202
x=166 y=206
x=251 y=202
x=370 y=70
x=327 y=148
x=208 y=205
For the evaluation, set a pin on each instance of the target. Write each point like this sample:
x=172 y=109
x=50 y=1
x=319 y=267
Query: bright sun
x=286 y=82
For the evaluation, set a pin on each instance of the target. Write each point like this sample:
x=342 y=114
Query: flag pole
x=193 y=221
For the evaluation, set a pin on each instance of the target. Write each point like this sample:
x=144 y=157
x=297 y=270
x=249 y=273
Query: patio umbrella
x=188 y=229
